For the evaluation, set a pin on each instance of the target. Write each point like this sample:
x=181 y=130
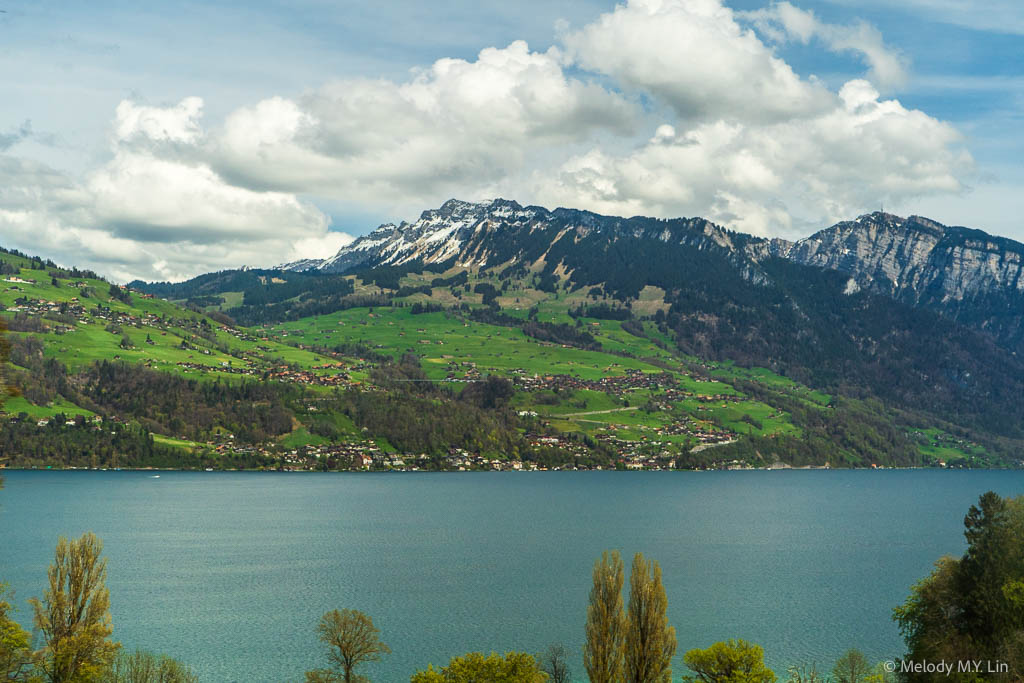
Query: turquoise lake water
x=230 y=572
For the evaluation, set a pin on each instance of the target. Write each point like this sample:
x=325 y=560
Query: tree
x=606 y=623
x=984 y=570
x=650 y=641
x=972 y=608
x=73 y=617
x=734 y=661
x=514 y=667
x=352 y=641
x=146 y=667
x=928 y=619
x=492 y=393
x=15 y=650
x=805 y=674
x=5 y=353
x=881 y=674
x=852 y=667
x=554 y=664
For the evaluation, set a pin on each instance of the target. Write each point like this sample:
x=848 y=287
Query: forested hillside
x=636 y=344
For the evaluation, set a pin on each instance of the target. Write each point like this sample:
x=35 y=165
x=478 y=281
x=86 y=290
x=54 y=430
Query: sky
x=164 y=140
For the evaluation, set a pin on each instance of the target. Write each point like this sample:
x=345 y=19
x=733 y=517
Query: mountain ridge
x=456 y=215
x=546 y=301
x=963 y=273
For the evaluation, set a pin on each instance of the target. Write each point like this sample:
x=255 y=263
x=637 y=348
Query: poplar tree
x=73 y=617
x=606 y=623
x=650 y=640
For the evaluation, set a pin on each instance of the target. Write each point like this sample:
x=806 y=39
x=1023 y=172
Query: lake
x=230 y=572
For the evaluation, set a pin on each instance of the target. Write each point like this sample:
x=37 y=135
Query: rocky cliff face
x=914 y=257
x=967 y=274
x=498 y=231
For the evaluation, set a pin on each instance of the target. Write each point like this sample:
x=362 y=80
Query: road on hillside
x=595 y=412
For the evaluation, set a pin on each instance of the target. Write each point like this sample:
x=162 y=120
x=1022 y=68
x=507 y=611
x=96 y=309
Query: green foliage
x=560 y=333
x=927 y=619
x=734 y=661
x=266 y=295
x=881 y=674
x=991 y=564
x=650 y=642
x=73 y=618
x=15 y=643
x=352 y=641
x=601 y=311
x=971 y=608
x=168 y=404
x=145 y=667
x=401 y=419
x=120 y=294
x=513 y=667
x=5 y=355
x=606 y=622
x=852 y=667
x=491 y=393
x=79 y=443
x=725 y=316
x=847 y=433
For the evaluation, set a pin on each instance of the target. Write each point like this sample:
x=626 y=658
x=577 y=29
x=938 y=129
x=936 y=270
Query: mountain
x=964 y=274
x=488 y=234
x=908 y=310
x=561 y=337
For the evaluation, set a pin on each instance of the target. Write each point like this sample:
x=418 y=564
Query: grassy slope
x=89 y=340
x=448 y=346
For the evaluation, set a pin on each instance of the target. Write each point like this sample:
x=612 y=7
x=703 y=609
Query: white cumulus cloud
x=155 y=212
x=450 y=127
x=756 y=177
x=784 y=21
x=657 y=107
x=179 y=123
x=695 y=56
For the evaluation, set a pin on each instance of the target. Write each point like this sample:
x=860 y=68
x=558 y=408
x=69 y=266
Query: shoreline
x=803 y=468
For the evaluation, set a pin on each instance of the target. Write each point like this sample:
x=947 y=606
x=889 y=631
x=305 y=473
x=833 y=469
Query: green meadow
x=694 y=395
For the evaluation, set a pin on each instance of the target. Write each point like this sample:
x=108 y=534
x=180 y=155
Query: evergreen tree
x=983 y=571
x=972 y=608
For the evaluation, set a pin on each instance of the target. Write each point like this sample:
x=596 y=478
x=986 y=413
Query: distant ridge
x=966 y=274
